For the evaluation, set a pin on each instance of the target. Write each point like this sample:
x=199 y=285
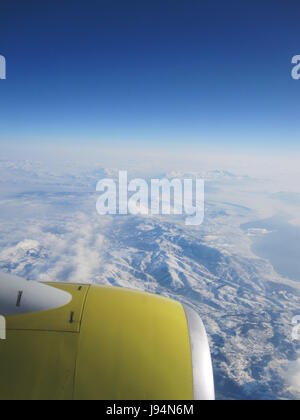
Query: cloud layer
x=50 y=231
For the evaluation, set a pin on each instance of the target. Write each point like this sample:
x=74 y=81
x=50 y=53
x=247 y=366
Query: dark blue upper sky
x=199 y=71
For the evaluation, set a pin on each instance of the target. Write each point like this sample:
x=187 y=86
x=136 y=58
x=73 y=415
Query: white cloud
x=293 y=378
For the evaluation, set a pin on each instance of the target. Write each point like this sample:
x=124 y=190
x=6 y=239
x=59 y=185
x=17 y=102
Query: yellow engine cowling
x=106 y=343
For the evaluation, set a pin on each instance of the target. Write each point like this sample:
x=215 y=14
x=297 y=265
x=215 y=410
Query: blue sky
x=150 y=72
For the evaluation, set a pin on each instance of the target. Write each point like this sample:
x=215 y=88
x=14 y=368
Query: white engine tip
x=18 y=296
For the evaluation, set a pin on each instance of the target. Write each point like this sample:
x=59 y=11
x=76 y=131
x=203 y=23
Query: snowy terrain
x=50 y=231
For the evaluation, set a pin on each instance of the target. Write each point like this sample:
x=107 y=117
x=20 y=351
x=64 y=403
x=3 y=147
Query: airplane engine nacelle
x=82 y=342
